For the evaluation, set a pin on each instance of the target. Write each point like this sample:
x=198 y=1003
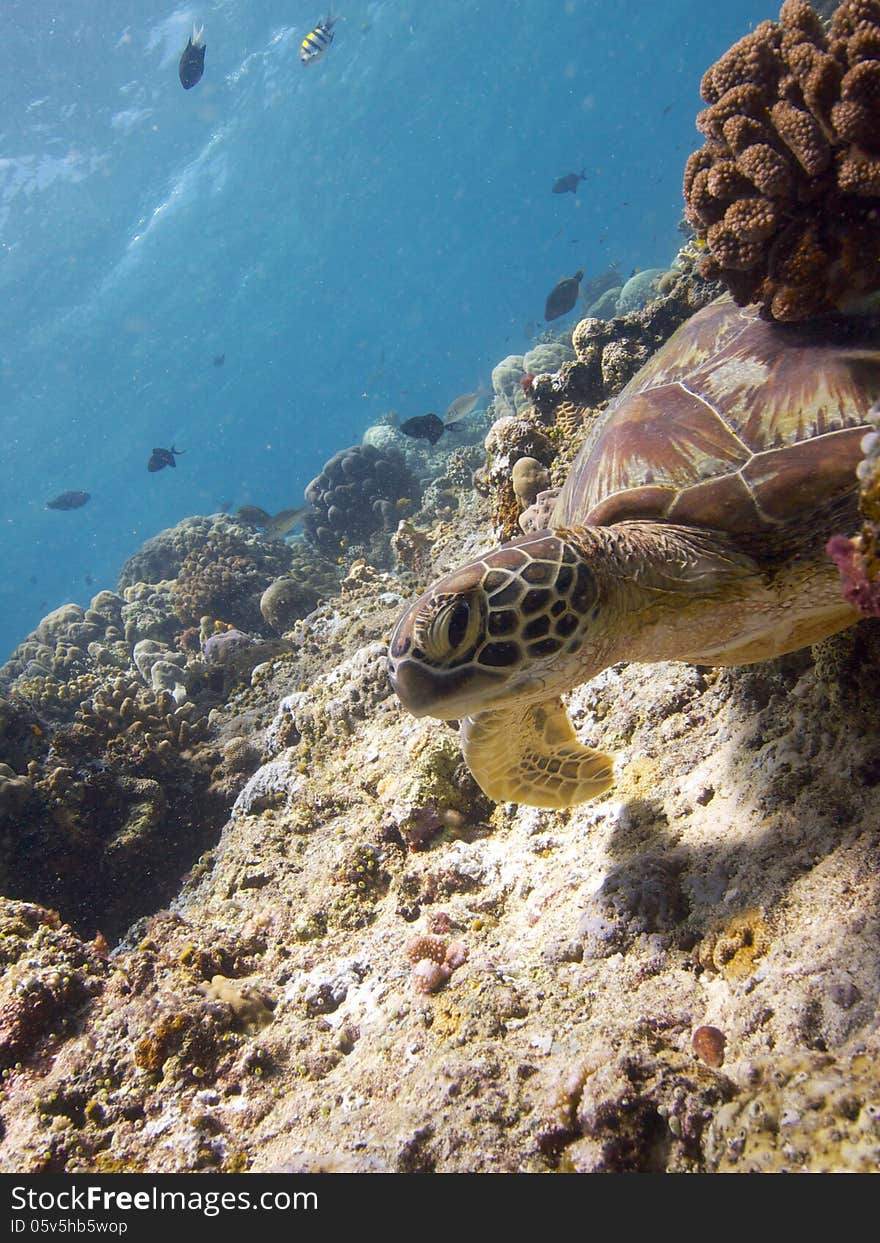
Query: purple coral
x=859 y=589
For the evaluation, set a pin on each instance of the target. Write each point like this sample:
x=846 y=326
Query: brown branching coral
x=785 y=191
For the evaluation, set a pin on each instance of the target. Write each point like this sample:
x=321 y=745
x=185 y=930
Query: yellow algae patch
x=638 y=778
x=734 y=949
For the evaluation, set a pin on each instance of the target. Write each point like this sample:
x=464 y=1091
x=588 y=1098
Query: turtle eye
x=449 y=630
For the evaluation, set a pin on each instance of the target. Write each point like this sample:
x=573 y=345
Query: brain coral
x=786 y=188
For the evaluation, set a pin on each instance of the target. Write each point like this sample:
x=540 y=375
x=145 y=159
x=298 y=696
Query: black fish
x=425 y=427
x=69 y=500
x=160 y=458
x=569 y=183
x=192 y=60
x=563 y=296
x=219 y=360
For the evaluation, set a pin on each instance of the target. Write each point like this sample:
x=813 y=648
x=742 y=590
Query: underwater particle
x=569 y=183
x=160 y=458
x=563 y=296
x=192 y=59
x=69 y=500
x=708 y=1044
x=317 y=41
x=219 y=360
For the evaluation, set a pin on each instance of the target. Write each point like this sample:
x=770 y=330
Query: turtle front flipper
x=530 y=754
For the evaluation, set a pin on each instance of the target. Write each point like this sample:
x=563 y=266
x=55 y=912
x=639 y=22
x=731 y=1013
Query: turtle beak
x=446 y=694
x=413 y=685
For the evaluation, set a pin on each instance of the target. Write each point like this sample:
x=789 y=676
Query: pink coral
x=433 y=961
x=859 y=589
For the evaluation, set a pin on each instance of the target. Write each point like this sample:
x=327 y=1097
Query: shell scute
x=736 y=424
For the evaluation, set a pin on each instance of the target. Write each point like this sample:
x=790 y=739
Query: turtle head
x=501 y=628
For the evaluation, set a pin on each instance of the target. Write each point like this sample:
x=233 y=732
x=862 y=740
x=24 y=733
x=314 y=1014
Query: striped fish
x=316 y=42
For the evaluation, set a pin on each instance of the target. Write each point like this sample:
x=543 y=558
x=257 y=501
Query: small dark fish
x=192 y=60
x=569 y=183
x=89 y=580
x=219 y=360
x=69 y=500
x=160 y=458
x=425 y=427
x=316 y=42
x=563 y=296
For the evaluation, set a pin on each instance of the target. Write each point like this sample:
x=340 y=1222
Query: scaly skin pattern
x=496 y=642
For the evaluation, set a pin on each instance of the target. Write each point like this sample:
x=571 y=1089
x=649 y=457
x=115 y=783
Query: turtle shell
x=737 y=424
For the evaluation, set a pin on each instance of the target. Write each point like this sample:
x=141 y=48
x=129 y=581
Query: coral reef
x=528 y=477
x=786 y=188
x=68 y=654
x=642 y=287
x=545 y=416
x=39 y=1000
x=547 y=356
x=509 y=441
x=287 y=599
x=599 y=293
x=507 y=377
x=806 y=1112
x=681 y=976
x=637 y=969
x=224 y=579
x=433 y=960
x=112 y=779
x=361 y=492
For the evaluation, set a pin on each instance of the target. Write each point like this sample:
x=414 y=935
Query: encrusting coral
x=785 y=190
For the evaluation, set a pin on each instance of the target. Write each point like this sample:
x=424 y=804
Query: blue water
x=371 y=232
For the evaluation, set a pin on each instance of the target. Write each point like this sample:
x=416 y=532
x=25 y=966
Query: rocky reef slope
x=373 y=968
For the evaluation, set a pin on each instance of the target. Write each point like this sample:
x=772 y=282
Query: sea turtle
x=691 y=527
